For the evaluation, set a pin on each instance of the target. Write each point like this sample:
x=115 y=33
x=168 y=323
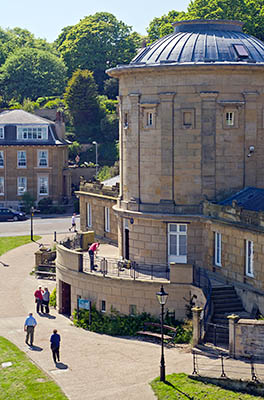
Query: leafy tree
x=96 y=43
x=30 y=73
x=74 y=149
x=111 y=88
x=82 y=102
x=162 y=26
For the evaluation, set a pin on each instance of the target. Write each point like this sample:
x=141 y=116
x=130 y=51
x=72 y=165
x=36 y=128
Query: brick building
x=33 y=158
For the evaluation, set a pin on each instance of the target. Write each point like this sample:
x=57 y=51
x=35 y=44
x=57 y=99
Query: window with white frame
x=217 y=249
x=1 y=159
x=21 y=159
x=43 y=158
x=2 y=185
x=230 y=118
x=149 y=118
x=2 y=132
x=32 y=132
x=249 y=258
x=21 y=185
x=43 y=185
x=107 y=219
x=177 y=243
x=89 y=215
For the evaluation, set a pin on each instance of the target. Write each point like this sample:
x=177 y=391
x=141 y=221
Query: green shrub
x=57 y=103
x=117 y=324
x=53 y=298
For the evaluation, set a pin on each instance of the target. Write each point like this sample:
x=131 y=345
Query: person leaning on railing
x=92 y=249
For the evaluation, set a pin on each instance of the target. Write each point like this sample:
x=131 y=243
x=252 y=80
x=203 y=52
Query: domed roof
x=203 y=41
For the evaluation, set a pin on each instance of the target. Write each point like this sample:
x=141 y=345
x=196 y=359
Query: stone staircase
x=225 y=301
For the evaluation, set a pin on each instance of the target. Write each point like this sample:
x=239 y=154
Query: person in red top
x=38 y=299
x=91 y=251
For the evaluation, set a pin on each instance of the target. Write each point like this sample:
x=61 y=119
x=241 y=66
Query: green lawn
x=180 y=386
x=23 y=380
x=10 y=242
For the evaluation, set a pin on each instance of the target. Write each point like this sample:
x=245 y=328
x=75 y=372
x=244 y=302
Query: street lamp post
x=162 y=297
x=31 y=222
x=96 y=158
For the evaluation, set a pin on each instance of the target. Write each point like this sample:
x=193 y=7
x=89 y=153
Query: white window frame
x=150 y=118
x=218 y=249
x=41 y=158
x=21 y=185
x=107 y=219
x=2 y=159
x=89 y=215
x=2 y=132
x=21 y=162
x=2 y=185
x=32 y=132
x=178 y=232
x=40 y=177
x=230 y=118
x=249 y=258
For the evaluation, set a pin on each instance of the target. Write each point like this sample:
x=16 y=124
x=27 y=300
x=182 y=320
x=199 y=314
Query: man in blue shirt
x=55 y=346
x=29 y=327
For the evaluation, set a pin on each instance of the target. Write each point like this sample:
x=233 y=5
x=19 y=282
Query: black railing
x=201 y=279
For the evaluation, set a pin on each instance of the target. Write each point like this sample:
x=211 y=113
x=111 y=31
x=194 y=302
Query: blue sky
x=45 y=19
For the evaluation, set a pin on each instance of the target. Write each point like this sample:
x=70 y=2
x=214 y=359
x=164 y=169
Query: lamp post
x=96 y=158
x=31 y=222
x=162 y=297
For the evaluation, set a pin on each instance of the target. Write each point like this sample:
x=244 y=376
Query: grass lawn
x=180 y=386
x=23 y=380
x=10 y=242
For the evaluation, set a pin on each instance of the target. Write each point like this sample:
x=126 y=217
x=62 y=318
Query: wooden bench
x=45 y=271
x=168 y=338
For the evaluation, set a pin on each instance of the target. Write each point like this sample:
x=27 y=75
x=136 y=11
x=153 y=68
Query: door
x=126 y=239
x=177 y=243
x=65 y=298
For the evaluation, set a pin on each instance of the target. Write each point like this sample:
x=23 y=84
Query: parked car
x=7 y=214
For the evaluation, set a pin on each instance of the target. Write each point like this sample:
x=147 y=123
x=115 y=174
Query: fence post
x=232 y=336
x=196 y=325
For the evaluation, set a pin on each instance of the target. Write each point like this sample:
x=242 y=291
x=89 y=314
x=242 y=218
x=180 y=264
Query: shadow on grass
x=178 y=390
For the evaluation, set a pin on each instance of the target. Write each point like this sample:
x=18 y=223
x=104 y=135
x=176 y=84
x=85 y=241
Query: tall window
x=42 y=158
x=1 y=159
x=249 y=258
x=177 y=242
x=230 y=118
x=217 y=252
x=89 y=215
x=2 y=185
x=103 y=306
x=43 y=185
x=2 y=132
x=22 y=159
x=107 y=219
x=21 y=185
x=149 y=118
x=32 y=133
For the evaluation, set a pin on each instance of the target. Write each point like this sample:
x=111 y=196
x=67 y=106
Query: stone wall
x=249 y=336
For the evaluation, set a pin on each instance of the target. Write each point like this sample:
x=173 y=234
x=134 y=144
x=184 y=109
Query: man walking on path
x=55 y=346
x=45 y=299
x=29 y=327
x=91 y=251
x=38 y=299
x=73 y=221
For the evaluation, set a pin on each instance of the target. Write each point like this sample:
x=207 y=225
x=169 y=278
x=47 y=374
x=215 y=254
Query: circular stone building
x=191 y=129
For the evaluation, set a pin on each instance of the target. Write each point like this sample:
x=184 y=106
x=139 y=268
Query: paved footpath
x=93 y=366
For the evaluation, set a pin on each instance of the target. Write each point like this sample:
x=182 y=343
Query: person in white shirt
x=73 y=221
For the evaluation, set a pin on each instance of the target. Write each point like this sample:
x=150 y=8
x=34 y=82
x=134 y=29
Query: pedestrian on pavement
x=46 y=299
x=55 y=345
x=29 y=327
x=39 y=299
x=73 y=222
x=92 y=249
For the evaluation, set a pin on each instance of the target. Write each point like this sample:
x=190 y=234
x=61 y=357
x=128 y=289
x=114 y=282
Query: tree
x=250 y=12
x=96 y=43
x=111 y=88
x=82 y=103
x=162 y=26
x=31 y=73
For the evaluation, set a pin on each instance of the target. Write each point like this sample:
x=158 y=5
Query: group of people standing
x=42 y=298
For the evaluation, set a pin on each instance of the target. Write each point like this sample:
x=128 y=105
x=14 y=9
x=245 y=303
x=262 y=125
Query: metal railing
x=116 y=267
x=201 y=279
